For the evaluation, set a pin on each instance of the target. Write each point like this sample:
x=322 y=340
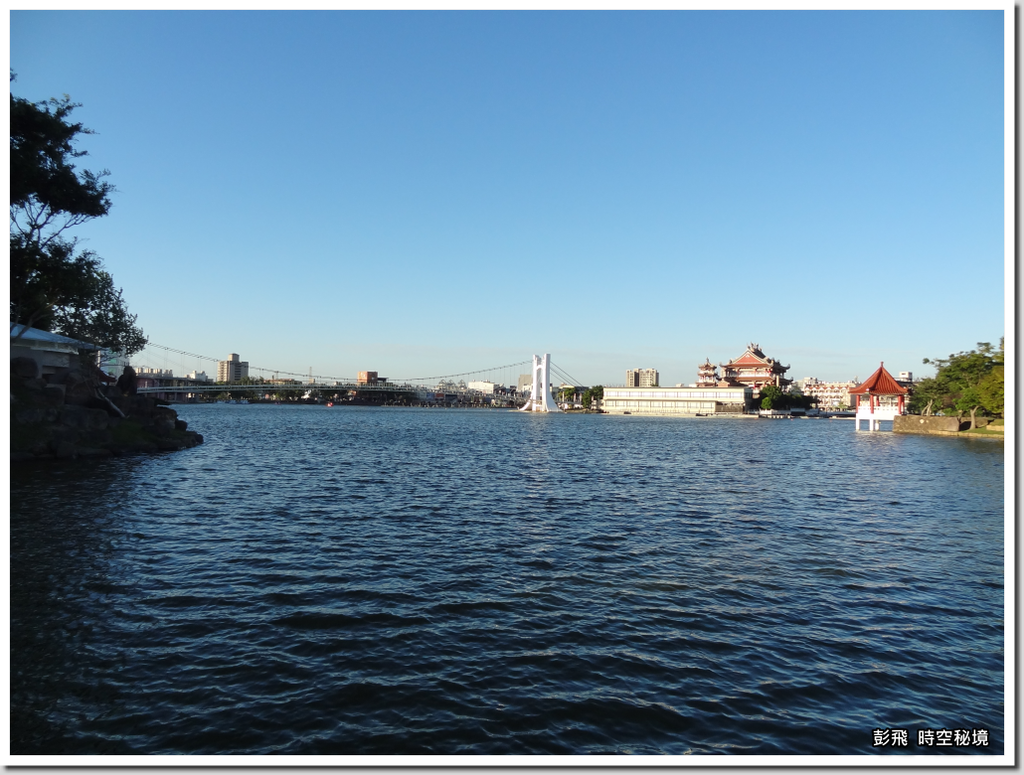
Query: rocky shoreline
x=73 y=413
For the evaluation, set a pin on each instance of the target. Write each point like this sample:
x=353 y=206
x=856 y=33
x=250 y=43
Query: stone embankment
x=72 y=413
x=942 y=426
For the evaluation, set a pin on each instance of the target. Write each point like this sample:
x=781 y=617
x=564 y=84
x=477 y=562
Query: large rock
x=164 y=419
x=83 y=418
x=64 y=450
x=95 y=438
x=93 y=452
x=65 y=416
x=36 y=415
x=54 y=394
x=135 y=406
x=78 y=390
x=26 y=368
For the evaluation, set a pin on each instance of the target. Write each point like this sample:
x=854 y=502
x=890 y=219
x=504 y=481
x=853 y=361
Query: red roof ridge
x=881 y=382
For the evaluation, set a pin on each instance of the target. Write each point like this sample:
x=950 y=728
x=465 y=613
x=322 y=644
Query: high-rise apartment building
x=232 y=370
x=642 y=378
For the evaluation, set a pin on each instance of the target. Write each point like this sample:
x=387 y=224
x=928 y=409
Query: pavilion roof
x=43 y=339
x=881 y=383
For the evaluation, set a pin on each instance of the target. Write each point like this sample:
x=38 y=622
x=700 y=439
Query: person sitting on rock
x=126 y=382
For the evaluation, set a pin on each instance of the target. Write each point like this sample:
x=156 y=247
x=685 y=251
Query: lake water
x=413 y=581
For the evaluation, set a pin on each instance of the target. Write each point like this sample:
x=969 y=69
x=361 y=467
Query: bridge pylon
x=540 y=399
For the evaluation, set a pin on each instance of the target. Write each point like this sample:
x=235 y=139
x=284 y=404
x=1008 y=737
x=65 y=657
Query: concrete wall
x=48 y=360
x=914 y=423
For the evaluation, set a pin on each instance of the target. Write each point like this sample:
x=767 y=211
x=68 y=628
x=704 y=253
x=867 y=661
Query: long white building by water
x=678 y=401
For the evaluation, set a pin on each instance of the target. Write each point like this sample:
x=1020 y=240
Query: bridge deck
x=207 y=388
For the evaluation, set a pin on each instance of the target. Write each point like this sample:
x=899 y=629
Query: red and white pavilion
x=879 y=397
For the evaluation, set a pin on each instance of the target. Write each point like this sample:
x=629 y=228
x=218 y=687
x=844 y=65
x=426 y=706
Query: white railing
x=887 y=412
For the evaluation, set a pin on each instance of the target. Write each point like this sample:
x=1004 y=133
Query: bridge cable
x=335 y=378
x=564 y=375
x=179 y=352
x=467 y=373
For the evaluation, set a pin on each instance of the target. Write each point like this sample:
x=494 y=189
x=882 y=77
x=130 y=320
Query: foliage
x=54 y=286
x=799 y=400
x=47 y=192
x=101 y=316
x=592 y=394
x=990 y=391
x=964 y=382
x=771 y=397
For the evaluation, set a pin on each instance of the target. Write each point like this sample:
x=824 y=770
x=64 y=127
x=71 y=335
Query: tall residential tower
x=232 y=370
x=642 y=378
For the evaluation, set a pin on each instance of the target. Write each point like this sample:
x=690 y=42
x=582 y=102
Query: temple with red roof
x=754 y=369
x=879 y=397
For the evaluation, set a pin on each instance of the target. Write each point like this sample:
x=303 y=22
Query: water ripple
x=374 y=581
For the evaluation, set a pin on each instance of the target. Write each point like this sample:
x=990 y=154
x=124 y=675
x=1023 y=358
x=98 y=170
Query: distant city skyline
x=424 y=193
x=176 y=363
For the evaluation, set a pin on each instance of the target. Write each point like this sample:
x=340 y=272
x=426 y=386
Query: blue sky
x=428 y=193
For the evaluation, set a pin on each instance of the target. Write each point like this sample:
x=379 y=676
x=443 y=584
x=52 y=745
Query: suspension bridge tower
x=540 y=395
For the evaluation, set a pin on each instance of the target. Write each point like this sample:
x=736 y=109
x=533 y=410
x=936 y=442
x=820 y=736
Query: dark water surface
x=382 y=581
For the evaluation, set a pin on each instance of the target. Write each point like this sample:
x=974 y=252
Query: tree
x=990 y=391
x=54 y=286
x=590 y=395
x=964 y=383
x=771 y=397
x=102 y=317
